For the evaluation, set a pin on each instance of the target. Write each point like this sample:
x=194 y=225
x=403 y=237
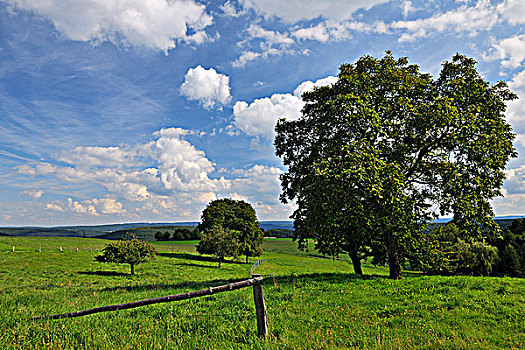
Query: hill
x=147 y=230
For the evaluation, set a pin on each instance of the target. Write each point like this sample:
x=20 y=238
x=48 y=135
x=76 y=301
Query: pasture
x=312 y=302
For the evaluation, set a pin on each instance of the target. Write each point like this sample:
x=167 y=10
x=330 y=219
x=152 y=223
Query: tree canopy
x=219 y=242
x=387 y=148
x=238 y=217
x=131 y=252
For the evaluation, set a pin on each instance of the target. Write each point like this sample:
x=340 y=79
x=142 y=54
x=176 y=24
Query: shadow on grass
x=196 y=257
x=103 y=273
x=339 y=278
x=216 y=266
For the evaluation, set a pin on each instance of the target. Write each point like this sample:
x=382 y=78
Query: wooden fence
x=258 y=297
x=254 y=266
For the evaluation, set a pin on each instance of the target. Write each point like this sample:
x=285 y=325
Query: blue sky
x=125 y=111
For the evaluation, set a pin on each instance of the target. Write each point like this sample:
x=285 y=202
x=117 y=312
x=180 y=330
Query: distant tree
x=236 y=216
x=511 y=248
x=387 y=148
x=159 y=236
x=132 y=252
x=219 y=242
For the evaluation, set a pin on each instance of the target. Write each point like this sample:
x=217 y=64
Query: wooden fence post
x=260 y=308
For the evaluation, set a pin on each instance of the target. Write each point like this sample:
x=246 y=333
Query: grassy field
x=312 y=302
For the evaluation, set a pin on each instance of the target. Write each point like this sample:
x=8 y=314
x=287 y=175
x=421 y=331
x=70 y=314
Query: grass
x=312 y=302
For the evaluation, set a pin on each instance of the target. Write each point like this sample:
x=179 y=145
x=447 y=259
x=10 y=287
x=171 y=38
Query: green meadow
x=312 y=302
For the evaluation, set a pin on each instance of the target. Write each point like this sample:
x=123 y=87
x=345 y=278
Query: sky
x=117 y=111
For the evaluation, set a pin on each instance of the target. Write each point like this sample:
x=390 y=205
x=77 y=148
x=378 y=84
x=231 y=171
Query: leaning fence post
x=260 y=308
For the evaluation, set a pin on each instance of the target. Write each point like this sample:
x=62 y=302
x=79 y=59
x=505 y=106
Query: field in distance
x=312 y=302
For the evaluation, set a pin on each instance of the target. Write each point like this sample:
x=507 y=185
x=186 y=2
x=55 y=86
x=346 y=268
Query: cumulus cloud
x=309 y=85
x=93 y=207
x=206 y=86
x=292 y=11
x=259 y=117
x=157 y=24
x=35 y=194
x=175 y=168
x=510 y=50
x=173 y=180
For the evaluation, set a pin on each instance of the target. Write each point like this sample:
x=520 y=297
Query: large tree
x=236 y=216
x=387 y=148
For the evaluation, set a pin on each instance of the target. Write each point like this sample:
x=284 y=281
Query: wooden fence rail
x=256 y=282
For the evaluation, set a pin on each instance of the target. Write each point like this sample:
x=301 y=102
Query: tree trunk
x=220 y=263
x=356 y=262
x=393 y=257
x=132 y=268
x=247 y=259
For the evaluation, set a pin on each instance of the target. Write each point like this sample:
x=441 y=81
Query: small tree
x=219 y=242
x=131 y=252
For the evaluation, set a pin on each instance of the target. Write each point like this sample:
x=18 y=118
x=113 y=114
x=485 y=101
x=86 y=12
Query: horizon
x=109 y=117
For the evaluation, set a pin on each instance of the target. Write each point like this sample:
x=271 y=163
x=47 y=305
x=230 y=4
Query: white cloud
x=260 y=186
x=317 y=33
x=98 y=156
x=516 y=109
x=272 y=37
x=176 y=169
x=326 y=31
x=157 y=24
x=246 y=56
x=309 y=85
x=230 y=10
x=272 y=43
x=510 y=50
x=470 y=19
x=54 y=207
x=513 y=11
x=292 y=11
x=177 y=182
x=93 y=207
x=510 y=204
x=35 y=194
x=407 y=8
x=259 y=117
x=206 y=86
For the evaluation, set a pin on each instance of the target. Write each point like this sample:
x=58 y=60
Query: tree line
x=179 y=234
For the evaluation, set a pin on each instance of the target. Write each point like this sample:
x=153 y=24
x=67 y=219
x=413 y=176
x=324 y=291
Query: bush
x=445 y=253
